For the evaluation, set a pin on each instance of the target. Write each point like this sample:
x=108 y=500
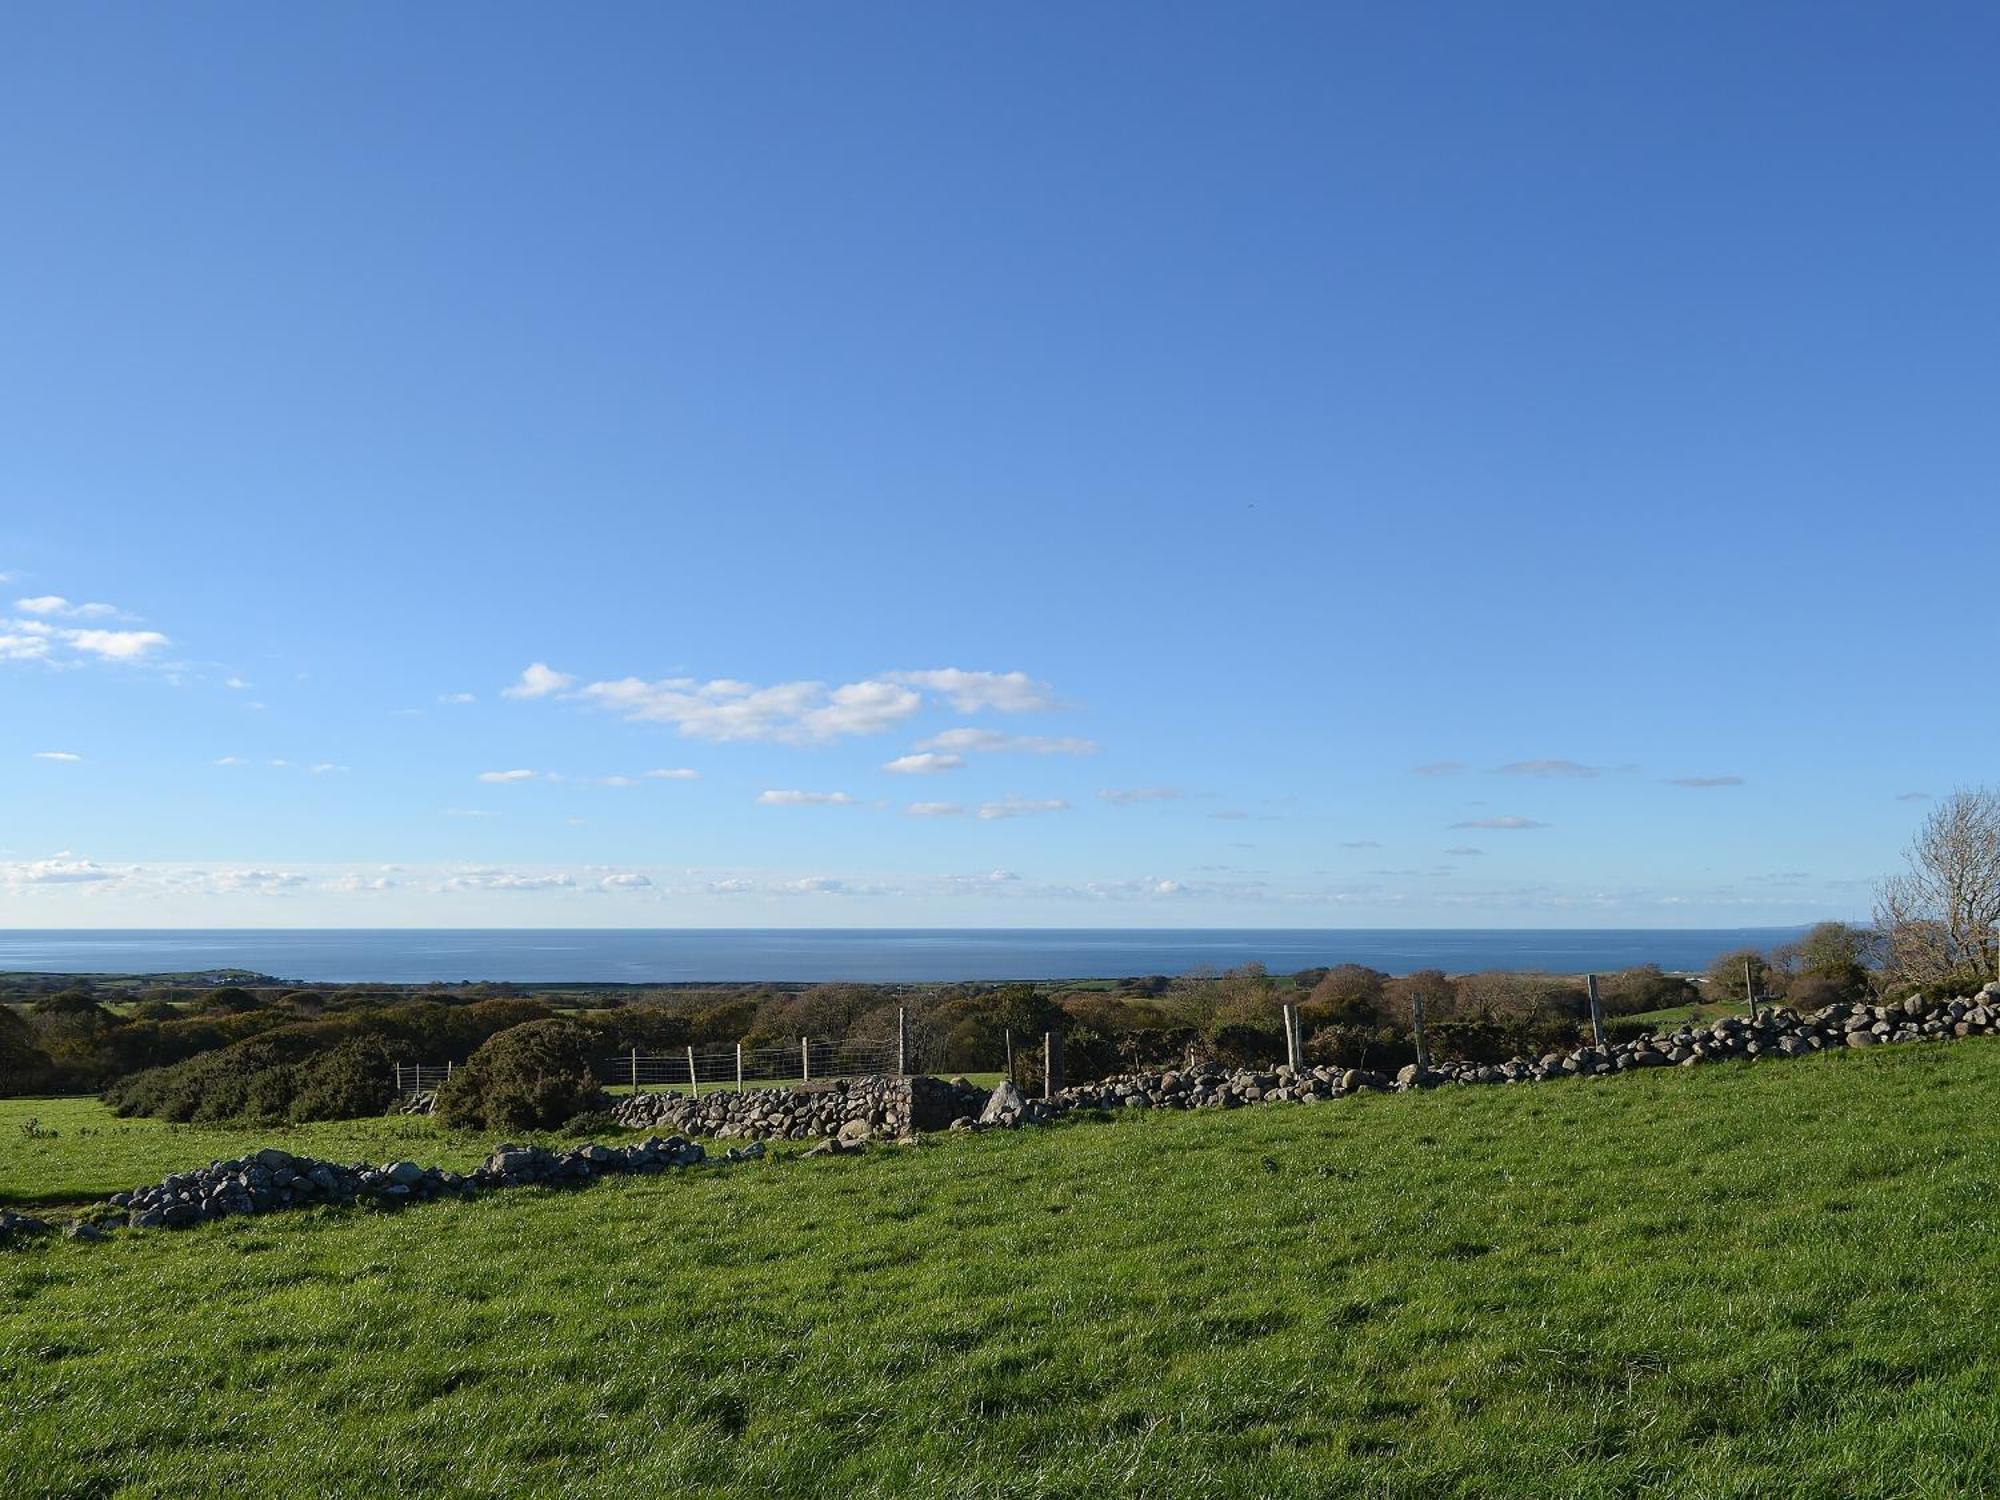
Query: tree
x=1439 y=994
x=1723 y=984
x=1348 y=995
x=1940 y=919
x=1831 y=962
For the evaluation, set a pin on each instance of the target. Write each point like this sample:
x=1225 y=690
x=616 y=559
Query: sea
x=883 y=955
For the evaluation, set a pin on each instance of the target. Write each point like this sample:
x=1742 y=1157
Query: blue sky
x=1282 y=465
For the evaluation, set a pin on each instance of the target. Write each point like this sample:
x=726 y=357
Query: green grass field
x=1733 y=1281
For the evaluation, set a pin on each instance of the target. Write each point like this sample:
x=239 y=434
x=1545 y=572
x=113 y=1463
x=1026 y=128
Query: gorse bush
x=340 y=1067
x=531 y=1077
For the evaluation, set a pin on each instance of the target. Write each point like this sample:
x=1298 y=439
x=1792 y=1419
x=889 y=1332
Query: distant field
x=1731 y=1281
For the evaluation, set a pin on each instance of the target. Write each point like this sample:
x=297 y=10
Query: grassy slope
x=1727 y=1281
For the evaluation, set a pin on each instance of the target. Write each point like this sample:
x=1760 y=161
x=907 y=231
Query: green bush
x=529 y=1077
x=355 y=1078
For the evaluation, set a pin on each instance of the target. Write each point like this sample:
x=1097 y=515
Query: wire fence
x=420 y=1078
x=810 y=1060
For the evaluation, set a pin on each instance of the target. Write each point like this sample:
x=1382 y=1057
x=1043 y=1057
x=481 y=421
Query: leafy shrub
x=24 y=1067
x=1382 y=1048
x=529 y=1077
x=1246 y=1041
x=356 y=1078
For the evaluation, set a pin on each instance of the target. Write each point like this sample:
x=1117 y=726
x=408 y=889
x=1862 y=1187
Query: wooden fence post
x=1423 y=1046
x=902 y=1041
x=739 y=1067
x=694 y=1083
x=805 y=1059
x=1010 y=1053
x=1291 y=1017
x=1749 y=990
x=399 y=1078
x=1596 y=1013
x=635 y=1070
x=1052 y=1063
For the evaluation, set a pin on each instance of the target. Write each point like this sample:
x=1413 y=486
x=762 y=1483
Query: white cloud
x=673 y=773
x=1021 y=807
x=626 y=880
x=506 y=880
x=470 y=812
x=66 y=756
x=935 y=810
x=324 y=767
x=1125 y=796
x=458 y=697
x=1705 y=781
x=239 y=881
x=803 y=712
x=1361 y=844
x=47 y=605
x=992 y=741
x=235 y=684
x=969 y=692
x=789 y=712
x=231 y=760
x=359 y=883
x=924 y=763
x=115 y=645
x=780 y=798
x=59 y=869
x=23 y=647
x=500 y=776
x=1463 y=851
x=538 y=680
x=1509 y=822
x=616 y=781
x=1547 y=768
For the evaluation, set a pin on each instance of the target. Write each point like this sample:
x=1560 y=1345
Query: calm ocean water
x=629 y=956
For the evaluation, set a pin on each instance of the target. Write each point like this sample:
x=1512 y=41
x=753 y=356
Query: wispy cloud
x=1568 y=768
x=924 y=763
x=538 y=680
x=802 y=712
x=935 y=810
x=793 y=798
x=54 y=606
x=1464 y=851
x=1704 y=781
x=460 y=697
x=60 y=869
x=66 y=756
x=1021 y=807
x=505 y=776
x=1438 y=768
x=1913 y=796
x=1126 y=796
x=1509 y=822
x=992 y=741
x=1361 y=844
x=673 y=773
x=506 y=880
x=969 y=692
